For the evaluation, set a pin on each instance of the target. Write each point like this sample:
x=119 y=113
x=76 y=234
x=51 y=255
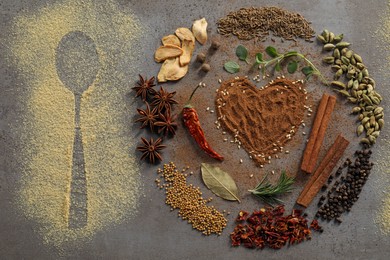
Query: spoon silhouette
x=77 y=65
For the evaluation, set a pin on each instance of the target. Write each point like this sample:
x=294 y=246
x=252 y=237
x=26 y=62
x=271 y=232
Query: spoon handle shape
x=78 y=186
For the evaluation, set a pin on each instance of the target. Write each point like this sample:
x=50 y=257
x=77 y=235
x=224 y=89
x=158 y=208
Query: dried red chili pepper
x=191 y=121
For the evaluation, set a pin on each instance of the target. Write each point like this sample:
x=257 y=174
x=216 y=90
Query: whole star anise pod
x=145 y=88
x=148 y=117
x=163 y=100
x=166 y=123
x=151 y=149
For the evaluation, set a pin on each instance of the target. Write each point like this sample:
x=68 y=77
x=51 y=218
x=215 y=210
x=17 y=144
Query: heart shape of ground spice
x=264 y=119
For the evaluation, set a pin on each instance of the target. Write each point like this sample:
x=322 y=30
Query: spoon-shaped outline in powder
x=77 y=64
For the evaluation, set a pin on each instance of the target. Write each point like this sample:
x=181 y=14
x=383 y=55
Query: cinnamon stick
x=320 y=176
x=312 y=150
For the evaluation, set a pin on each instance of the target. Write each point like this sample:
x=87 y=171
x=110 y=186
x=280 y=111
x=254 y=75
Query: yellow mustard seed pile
x=188 y=199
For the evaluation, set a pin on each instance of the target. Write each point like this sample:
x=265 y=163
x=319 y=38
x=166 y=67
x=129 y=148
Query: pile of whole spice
x=345 y=191
x=188 y=199
x=262 y=120
x=269 y=228
x=249 y=23
x=157 y=114
x=360 y=88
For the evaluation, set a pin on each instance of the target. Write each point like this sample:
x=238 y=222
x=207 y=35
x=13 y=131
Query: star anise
x=145 y=88
x=166 y=123
x=148 y=117
x=163 y=100
x=151 y=149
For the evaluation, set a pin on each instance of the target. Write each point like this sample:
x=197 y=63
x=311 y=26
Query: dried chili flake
x=270 y=228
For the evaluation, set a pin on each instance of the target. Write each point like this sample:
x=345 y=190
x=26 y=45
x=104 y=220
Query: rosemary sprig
x=268 y=192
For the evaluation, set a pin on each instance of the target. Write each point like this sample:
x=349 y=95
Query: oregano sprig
x=292 y=66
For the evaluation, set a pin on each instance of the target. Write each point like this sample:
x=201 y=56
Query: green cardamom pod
x=331 y=37
x=345 y=60
x=367 y=100
x=355 y=85
x=338 y=84
x=358 y=58
x=360 y=66
x=364 y=141
x=359 y=130
x=381 y=123
x=344 y=93
x=321 y=39
x=375 y=134
x=365 y=120
x=374 y=100
x=378 y=110
x=372 y=139
x=342 y=44
x=365 y=72
x=370 y=131
x=338 y=38
x=349 y=54
x=336 y=53
x=328 y=60
x=372 y=120
x=335 y=67
x=329 y=47
x=356 y=110
x=325 y=34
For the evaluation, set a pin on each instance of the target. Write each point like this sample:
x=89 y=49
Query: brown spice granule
x=188 y=199
x=262 y=120
x=249 y=23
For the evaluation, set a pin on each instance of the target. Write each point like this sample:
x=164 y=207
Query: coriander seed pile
x=188 y=199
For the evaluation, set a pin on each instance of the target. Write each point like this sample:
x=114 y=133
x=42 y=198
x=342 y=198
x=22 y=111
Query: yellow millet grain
x=188 y=199
x=47 y=131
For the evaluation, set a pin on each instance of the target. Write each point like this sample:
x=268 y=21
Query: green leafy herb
x=219 y=182
x=268 y=192
x=278 y=67
x=259 y=58
x=232 y=67
x=271 y=51
x=292 y=66
x=242 y=53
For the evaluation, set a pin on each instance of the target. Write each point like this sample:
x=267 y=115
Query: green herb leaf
x=278 y=67
x=242 y=53
x=268 y=192
x=292 y=66
x=290 y=53
x=259 y=58
x=219 y=182
x=271 y=51
x=232 y=67
x=307 y=71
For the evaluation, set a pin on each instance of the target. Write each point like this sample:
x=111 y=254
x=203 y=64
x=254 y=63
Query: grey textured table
x=155 y=232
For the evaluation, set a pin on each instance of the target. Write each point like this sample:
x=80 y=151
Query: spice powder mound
x=264 y=119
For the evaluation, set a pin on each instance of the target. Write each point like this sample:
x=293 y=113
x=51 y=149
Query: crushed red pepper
x=268 y=227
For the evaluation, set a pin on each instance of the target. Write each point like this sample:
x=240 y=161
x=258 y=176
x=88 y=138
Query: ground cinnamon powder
x=264 y=119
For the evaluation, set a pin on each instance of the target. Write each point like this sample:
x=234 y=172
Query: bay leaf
x=219 y=182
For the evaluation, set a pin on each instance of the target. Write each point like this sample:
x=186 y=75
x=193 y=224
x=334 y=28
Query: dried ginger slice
x=166 y=52
x=171 y=39
x=171 y=70
x=187 y=44
x=199 y=29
